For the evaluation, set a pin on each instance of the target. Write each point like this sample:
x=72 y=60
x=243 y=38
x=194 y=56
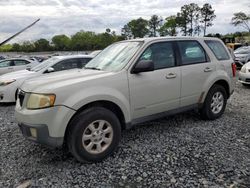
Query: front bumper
x=244 y=78
x=41 y=135
x=50 y=123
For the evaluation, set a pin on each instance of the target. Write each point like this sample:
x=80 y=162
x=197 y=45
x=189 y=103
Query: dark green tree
x=241 y=19
x=126 y=32
x=42 y=45
x=154 y=23
x=169 y=27
x=138 y=27
x=207 y=16
x=61 y=42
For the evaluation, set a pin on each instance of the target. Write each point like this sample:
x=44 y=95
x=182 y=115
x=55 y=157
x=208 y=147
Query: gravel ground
x=176 y=151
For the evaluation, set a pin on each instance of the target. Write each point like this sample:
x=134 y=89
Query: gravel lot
x=176 y=151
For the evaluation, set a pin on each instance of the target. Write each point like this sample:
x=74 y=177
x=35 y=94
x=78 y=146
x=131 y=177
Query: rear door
x=196 y=68
x=20 y=64
x=6 y=66
x=159 y=90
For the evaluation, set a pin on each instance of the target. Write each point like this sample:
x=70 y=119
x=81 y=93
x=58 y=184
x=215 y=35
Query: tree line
x=191 y=20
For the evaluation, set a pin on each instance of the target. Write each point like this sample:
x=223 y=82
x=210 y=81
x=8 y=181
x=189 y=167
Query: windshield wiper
x=92 y=68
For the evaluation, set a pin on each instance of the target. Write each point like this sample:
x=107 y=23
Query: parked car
x=2 y=58
x=129 y=82
x=242 y=55
x=9 y=83
x=10 y=65
x=244 y=74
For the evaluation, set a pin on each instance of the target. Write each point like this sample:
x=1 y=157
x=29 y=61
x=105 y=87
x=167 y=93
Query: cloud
x=70 y=16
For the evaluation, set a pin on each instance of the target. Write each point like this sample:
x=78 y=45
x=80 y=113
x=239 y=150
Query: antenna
x=13 y=36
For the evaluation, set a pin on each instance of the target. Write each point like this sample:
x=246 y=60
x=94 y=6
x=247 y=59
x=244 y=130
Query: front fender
x=79 y=99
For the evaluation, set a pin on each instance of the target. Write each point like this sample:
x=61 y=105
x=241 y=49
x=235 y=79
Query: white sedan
x=9 y=83
x=15 y=64
x=244 y=74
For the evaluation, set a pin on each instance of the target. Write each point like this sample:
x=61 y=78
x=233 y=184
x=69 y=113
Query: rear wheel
x=94 y=134
x=215 y=103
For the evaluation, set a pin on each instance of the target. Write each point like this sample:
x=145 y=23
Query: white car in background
x=244 y=74
x=242 y=55
x=15 y=64
x=9 y=83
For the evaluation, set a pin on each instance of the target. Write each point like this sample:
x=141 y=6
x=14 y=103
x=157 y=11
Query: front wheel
x=215 y=103
x=94 y=134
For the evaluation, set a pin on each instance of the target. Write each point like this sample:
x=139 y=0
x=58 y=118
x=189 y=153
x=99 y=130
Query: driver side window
x=162 y=55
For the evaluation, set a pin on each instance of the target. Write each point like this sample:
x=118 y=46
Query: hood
x=52 y=81
x=247 y=65
x=18 y=75
x=240 y=55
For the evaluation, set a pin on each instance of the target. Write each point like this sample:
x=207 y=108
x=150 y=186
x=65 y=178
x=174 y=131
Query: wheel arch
x=113 y=107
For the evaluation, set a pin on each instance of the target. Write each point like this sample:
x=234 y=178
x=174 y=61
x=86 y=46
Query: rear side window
x=66 y=64
x=20 y=62
x=218 y=49
x=191 y=52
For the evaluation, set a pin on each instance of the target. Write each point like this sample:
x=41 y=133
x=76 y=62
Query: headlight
x=243 y=69
x=38 y=101
x=6 y=82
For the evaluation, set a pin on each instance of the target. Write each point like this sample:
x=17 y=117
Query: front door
x=159 y=90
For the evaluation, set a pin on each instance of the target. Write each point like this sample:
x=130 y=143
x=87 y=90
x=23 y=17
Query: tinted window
x=83 y=62
x=218 y=49
x=66 y=64
x=162 y=54
x=20 y=62
x=191 y=52
x=5 y=63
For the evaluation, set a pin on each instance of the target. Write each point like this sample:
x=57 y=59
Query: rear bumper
x=41 y=135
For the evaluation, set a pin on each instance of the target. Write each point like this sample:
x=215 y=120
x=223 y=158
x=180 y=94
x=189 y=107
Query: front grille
x=247 y=79
x=21 y=95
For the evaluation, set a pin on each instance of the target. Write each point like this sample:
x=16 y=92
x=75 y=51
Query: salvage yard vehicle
x=129 y=82
x=10 y=82
x=244 y=74
x=15 y=64
x=242 y=55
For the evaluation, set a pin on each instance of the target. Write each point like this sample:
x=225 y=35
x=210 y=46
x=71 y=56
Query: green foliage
x=241 y=19
x=5 y=48
x=61 y=42
x=154 y=23
x=138 y=28
x=42 y=45
x=207 y=16
x=169 y=27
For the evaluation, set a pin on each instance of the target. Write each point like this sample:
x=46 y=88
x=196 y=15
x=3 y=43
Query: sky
x=70 y=16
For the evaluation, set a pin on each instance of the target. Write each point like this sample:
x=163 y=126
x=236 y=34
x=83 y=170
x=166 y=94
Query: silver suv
x=127 y=83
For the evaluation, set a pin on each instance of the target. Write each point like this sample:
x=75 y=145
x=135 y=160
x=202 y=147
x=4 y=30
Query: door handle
x=171 y=76
x=208 y=69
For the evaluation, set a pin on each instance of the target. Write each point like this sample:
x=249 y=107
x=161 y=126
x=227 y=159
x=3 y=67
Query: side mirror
x=49 y=70
x=143 y=66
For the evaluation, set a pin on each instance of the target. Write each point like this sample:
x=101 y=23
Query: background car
x=242 y=55
x=244 y=74
x=10 y=65
x=10 y=82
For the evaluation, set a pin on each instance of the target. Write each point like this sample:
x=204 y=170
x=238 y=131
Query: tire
x=217 y=96
x=94 y=134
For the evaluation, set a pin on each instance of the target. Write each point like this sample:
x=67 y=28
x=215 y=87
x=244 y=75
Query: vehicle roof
x=173 y=38
x=17 y=58
x=73 y=56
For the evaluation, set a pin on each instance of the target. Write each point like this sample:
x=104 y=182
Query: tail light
x=234 y=69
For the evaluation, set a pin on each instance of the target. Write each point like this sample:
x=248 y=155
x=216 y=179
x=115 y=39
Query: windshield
x=45 y=64
x=242 y=51
x=114 y=57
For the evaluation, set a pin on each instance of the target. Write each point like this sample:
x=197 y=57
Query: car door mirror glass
x=143 y=66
